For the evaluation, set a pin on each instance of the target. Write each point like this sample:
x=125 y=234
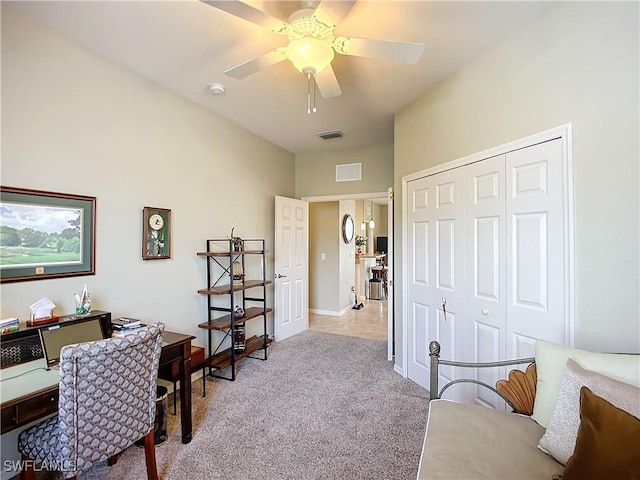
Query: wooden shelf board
x=226 y=289
x=222 y=359
x=230 y=254
x=224 y=322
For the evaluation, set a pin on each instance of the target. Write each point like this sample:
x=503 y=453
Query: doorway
x=375 y=318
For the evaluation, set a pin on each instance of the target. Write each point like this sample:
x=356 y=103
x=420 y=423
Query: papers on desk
x=124 y=322
x=124 y=326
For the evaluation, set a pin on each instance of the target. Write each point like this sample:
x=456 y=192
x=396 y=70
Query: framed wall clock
x=156 y=233
x=348 y=228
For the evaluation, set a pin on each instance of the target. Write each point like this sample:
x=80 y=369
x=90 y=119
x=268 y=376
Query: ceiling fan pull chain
x=309 y=76
x=313 y=91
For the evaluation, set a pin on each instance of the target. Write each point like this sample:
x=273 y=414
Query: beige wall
x=323 y=274
x=577 y=63
x=74 y=122
x=316 y=172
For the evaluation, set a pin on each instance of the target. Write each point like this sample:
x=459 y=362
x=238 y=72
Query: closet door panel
x=421 y=317
x=536 y=231
x=485 y=271
x=435 y=243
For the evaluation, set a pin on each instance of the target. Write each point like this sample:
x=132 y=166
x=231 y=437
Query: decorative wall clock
x=156 y=233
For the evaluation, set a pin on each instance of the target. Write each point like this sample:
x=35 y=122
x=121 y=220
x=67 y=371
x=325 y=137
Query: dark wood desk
x=41 y=397
x=176 y=347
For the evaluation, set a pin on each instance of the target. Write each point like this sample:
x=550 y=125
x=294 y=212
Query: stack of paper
x=123 y=326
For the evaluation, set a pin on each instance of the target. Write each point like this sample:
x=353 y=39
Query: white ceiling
x=184 y=45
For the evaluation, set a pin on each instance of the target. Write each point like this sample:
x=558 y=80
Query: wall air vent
x=349 y=172
x=330 y=135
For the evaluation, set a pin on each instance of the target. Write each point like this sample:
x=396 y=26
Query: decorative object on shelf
x=156 y=233
x=238 y=273
x=361 y=241
x=348 y=228
x=238 y=312
x=42 y=309
x=48 y=235
x=239 y=342
x=237 y=242
x=83 y=302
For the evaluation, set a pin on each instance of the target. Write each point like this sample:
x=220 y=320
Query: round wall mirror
x=348 y=228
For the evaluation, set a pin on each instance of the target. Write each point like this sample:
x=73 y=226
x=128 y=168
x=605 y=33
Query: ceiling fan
x=312 y=43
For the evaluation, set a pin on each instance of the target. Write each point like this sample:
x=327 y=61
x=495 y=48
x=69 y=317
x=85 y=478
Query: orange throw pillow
x=608 y=442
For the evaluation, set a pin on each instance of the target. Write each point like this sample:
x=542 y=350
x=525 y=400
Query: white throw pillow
x=559 y=440
x=551 y=360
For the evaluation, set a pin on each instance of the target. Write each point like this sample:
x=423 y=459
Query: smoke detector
x=216 y=89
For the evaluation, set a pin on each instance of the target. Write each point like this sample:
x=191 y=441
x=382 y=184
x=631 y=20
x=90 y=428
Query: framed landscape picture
x=45 y=234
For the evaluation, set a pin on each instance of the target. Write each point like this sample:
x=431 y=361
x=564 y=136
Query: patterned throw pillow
x=560 y=438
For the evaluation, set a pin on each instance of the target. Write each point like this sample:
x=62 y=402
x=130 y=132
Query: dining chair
x=107 y=402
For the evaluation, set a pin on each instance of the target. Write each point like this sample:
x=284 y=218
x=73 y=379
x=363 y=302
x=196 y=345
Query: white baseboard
x=330 y=313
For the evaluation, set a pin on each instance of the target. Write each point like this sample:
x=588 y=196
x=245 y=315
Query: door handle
x=279 y=276
x=444 y=308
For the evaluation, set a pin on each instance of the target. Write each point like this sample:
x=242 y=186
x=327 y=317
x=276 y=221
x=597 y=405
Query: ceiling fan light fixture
x=309 y=53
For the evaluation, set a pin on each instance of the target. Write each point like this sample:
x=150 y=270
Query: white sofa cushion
x=465 y=441
x=551 y=360
x=560 y=438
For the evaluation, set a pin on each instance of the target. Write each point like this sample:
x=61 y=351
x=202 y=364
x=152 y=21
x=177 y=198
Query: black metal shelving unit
x=221 y=255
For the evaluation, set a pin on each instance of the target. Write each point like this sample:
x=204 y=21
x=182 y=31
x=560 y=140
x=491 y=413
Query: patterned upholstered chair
x=107 y=403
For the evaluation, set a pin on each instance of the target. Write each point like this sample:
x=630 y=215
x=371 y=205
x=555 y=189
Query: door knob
x=485 y=312
x=280 y=276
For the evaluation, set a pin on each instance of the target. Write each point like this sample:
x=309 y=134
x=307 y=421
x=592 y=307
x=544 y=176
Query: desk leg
x=185 y=393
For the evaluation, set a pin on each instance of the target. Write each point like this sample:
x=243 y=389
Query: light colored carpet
x=323 y=406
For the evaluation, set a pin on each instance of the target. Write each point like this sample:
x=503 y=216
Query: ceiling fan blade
x=251 y=14
x=336 y=9
x=252 y=66
x=404 y=52
x=328 y=83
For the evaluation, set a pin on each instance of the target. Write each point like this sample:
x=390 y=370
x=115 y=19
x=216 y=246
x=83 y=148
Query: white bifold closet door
x=486 y=268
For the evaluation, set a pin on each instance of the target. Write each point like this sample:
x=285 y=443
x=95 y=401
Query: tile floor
x=368 y=322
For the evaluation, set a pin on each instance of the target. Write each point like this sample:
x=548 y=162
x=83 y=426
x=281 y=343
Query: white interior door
x=435 y=284
x=483 y=327
x=537 y=292
x=489 y=242
x=291 y=271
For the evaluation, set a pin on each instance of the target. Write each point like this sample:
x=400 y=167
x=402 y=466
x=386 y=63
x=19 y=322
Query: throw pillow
x=560 y=438
x=607 y=444
x=551 y=360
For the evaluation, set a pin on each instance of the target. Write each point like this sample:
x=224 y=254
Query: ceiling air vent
x=330 y=135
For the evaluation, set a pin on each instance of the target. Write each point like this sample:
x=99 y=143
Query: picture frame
x=156 y=233
x=45 y=234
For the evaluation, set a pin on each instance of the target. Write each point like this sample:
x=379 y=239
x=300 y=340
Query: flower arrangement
x=361 y=240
